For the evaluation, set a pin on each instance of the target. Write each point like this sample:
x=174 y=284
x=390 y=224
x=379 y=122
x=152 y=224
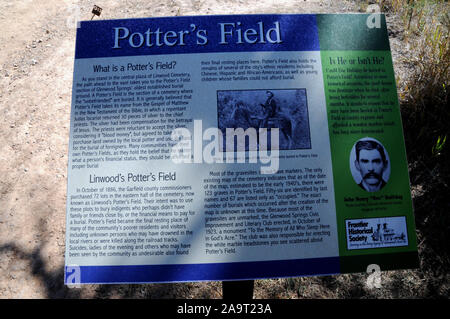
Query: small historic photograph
x=369 y=164
x=285 y=109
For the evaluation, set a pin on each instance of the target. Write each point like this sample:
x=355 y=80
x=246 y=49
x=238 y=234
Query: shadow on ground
x=53 y=282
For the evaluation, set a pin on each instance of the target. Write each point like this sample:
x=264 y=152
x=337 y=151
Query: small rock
x=34 y=61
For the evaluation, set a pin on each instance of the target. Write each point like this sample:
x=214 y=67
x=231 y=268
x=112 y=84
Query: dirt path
x=36 y=65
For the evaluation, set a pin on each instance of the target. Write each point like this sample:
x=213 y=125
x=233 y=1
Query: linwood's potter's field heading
x=150 y=177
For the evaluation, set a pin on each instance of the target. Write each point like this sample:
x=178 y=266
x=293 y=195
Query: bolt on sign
x=235 y=147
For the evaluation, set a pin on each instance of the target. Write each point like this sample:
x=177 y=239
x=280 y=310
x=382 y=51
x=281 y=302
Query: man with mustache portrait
x=371 y=162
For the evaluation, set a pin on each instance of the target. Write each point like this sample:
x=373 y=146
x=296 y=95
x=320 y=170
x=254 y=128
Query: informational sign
x=235 y=147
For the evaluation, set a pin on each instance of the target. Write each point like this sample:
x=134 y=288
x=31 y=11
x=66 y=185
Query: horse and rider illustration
x=269 y=115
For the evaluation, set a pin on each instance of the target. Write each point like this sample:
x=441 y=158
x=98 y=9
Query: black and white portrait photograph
x=369 y=164
x=285 y=109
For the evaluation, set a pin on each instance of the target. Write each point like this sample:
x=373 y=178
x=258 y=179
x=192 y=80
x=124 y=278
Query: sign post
x=234 y=148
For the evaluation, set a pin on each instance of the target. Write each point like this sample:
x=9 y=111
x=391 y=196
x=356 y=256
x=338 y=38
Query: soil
x=37 y=42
